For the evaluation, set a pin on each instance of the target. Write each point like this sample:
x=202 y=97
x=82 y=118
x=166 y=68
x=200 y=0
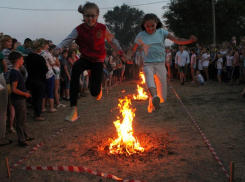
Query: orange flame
x=141 y=94
x=125 y=143
x=142 y=76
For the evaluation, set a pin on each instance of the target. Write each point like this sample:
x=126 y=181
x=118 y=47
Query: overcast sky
x=56 y=25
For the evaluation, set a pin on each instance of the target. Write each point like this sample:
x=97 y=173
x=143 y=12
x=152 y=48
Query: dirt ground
x=174 y=149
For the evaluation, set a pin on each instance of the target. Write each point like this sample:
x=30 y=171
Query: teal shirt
x=1 y=59
x=153 y=45
x=21 y=49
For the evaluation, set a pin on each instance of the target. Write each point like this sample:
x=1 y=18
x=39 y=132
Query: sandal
x=41 y=118
x=52 y=111
x=6 y=143
x=44 y=110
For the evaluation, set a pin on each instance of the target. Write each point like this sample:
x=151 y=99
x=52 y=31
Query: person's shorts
x=200 y=81
x=182 y=69
x=49 y=89
x=57 y=76
x=66 y=83
x=123 y=67
x=194 y=66
x=219 y=72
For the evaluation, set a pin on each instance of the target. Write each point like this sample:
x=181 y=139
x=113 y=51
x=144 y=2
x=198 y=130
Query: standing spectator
x=228 y=64
x=65 y=75
x=26 y=44
x=14 y=44
x=18 y=97
x=235 y=68
x=173 y=69
x=181 y=62
x=72 y=58
x=211 y=68
x=56 y=69
x=219 y=67
x=37 y=69
x=233 y=41
x=50 y=78
x=168 y=62
x=4 y=102
x=193 y=63
x=205 y=62
x=6 y=44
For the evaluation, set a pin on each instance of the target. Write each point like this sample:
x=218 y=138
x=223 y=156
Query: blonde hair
x=88 y=5
x=4 y=39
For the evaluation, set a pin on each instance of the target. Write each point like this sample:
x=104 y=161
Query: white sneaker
x=150 y=106
x=61 y=105
x=72 y=116
x=156 y=102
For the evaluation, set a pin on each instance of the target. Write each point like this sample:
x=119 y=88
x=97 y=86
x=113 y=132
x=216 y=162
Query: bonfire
x=125 y=143
x=141 y=94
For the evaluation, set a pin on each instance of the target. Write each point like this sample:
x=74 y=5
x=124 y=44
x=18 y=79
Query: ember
x=125 y=143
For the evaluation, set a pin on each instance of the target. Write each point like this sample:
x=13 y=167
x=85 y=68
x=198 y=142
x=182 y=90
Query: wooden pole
x=7 y=165
x=232 y=165
x=213 y=19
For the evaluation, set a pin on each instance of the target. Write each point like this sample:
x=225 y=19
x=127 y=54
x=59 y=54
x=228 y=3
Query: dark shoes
x=5 y=142
x=30 y=139
x=23 y=144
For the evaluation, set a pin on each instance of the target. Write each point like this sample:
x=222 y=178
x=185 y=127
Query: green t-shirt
x=20 y=48
x=1 y=59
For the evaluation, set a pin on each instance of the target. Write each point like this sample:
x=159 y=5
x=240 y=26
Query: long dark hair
x=153 y=17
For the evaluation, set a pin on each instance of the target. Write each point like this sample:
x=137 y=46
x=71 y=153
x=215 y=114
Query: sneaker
x=11 y=130
x=98 y=97
x=61 y=105
x=150 y=106
x=72 y=116
x=156 y=102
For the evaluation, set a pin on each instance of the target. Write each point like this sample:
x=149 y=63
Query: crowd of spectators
x=47 y=75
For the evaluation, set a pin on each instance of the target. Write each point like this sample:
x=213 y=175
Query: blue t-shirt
x=16 y=75
x=153 y=45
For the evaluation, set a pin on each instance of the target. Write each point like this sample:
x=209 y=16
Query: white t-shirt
x=205 y=62
x=168 y=61
x=200 y=77
x=153 y=45
x=200 y=64
x=219 y=65
x=229 y=60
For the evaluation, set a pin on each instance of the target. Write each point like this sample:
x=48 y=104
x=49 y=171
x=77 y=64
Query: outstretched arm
x=132 y=49
x=113 y=42
x=180 y=40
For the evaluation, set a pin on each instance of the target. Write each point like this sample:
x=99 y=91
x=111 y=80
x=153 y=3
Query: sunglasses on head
x=88 y=15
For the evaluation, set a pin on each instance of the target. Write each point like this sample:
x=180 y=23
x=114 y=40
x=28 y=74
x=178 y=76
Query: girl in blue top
x=152 y=39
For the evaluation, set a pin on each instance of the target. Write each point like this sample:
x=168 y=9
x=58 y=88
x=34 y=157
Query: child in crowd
x=228 y=64
x=18 y=97
x=193 y=63
x=152 y=39
x=205 y=62
x=65 y=75
x=219 y=66
x=168 y=62
x=198 y=78
x=90 y=37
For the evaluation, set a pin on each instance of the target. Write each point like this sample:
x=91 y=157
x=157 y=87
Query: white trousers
x=155 y=76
